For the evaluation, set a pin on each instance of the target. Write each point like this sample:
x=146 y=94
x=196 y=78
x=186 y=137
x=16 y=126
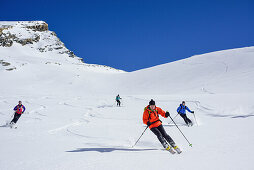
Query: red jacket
x=19 y=109
x=153 y=116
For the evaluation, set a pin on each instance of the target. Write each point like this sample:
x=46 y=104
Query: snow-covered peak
x=33 y=42
x=34 y=34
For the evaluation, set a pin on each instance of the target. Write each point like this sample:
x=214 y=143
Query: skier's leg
x=159 y=136
x=14 y=118
x=184 y=118
x=189 y=121
x=17 y=118
x=166 y=136
x=169 y=139
x=162 y=140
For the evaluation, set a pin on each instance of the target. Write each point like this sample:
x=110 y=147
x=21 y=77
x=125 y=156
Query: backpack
x=181 y=106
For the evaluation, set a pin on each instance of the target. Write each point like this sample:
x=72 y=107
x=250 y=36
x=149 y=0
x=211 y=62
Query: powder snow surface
x=72 y=121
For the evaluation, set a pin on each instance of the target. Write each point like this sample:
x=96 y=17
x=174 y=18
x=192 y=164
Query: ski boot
x=170 y=150
x=12 y=125
x=177 y=149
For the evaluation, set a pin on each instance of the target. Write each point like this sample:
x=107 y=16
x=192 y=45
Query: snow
x=72 y=121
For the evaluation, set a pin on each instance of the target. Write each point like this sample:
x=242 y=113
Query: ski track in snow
x=54 y=131
x=95 y=143
x=82 y=120
x=37 y=111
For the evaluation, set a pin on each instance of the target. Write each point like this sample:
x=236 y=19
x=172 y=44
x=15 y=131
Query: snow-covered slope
x=228 y=71
x=72 y=121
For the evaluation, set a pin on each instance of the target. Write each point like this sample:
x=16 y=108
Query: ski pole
x=173 y=118
x=12 y=116
x=181 y=131
x=195 y=118
x=140 y=136
x=121 y=101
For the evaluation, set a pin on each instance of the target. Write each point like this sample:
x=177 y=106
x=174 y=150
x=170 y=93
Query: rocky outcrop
x=6 y=40
x=39 y=27
x=28 y=40
x=1 y=31
x=3 y=63
x=33 y=33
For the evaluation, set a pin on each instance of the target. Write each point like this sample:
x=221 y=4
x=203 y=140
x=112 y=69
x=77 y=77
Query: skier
x=151 y=119
x=118 y=100
x=182 y=111
x=19 y=110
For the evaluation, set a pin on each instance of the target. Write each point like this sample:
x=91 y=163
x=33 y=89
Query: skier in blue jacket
x=182 y=111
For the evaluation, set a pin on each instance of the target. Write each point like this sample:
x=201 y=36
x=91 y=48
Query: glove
x=148 y=123
x=167 y=114
x=192 y=111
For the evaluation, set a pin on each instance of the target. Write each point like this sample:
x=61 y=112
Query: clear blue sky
x=136 y=34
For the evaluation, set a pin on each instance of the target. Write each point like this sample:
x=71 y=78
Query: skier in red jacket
x=19 y=110
x=151 y=119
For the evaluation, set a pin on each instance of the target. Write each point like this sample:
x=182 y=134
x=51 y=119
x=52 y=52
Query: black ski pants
x=162 y=136
x=16 y=118
x=186 y=119
x=118 y=102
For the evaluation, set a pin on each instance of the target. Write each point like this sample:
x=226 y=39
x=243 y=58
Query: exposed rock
x=39 y=27
x=4 y=63
x=1 y=31
x=30 y=33
x=10 y=69
x=6 y=40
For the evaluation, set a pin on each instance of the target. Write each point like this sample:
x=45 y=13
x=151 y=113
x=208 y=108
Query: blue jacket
x=182 y=109
x=118 y=98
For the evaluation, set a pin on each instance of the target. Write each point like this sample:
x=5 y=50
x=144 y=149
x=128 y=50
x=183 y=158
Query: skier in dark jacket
x=151 y=119
x=19 y=110
x=182 y=111
x=118 y=100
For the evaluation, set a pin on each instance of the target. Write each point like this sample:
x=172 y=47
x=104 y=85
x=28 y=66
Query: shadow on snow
x=243 y=116
x=102 y=150
x=231 y=116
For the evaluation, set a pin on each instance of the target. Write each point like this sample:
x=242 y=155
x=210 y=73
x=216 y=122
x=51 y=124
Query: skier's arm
x=15 y=108
x=161 y=112
x=188 y=109
x=24 y=109
x=178 y=109
x=145 y=117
